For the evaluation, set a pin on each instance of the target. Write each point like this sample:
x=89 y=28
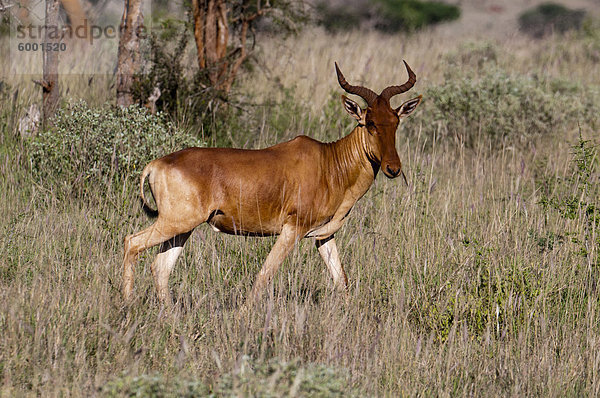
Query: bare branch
x=46 y=87
x=3 y=7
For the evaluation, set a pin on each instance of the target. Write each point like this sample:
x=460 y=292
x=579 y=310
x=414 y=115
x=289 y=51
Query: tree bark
x=50 y=88
x=128 y=61
x=211 y=32
x=198 y=7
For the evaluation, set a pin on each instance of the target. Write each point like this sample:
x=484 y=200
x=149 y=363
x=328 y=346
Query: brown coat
x=300 y=188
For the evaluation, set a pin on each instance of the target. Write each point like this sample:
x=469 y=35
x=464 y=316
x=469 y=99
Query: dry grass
x=375 y=60
x=453 y=290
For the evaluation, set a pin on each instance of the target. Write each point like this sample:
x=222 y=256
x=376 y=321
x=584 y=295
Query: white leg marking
x=329 y=254
x=164 y=263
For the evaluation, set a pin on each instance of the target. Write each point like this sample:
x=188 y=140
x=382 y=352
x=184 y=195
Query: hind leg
x=164 y=263
x=138 y=242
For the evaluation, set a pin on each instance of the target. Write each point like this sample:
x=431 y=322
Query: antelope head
x=380 y=120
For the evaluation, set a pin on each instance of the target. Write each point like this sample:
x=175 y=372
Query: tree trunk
x=198 y=7
x=211 y=32
x=128 y=61
x=50 y=88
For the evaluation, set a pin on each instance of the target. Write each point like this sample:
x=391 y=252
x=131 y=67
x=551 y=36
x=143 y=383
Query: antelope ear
x=408 y=107
x=352 y=108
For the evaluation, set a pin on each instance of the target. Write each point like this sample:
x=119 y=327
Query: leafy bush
x=336 y=19
x=153 y=386
x=500 y=108
x=550 y=17
x=201 y=95
x=283 y=379
x=495 y=292
x=385 y=15
x=575 y=200
x=103 y=146
x=166 y=69
x=474 y=54
x=185 y=94
x=413 y=14
x=576 y=197
x=274 y=378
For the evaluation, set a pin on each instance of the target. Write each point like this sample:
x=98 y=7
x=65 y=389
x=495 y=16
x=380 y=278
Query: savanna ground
x=478 y=278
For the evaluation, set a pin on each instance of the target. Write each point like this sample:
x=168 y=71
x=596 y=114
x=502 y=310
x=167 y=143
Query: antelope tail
x=147 y=209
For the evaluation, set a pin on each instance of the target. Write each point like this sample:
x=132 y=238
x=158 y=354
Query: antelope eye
x=370 y=123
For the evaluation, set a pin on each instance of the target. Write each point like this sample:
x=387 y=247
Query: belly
x=269 y=219
x=232 y=226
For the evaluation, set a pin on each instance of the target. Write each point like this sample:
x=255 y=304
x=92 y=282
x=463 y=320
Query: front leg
x=284 y=244
x=329 y=254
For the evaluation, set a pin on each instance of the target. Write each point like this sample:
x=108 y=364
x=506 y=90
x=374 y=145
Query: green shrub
x=413 y=14
x=385 y=15
x=185 y=94
x=166 y=69
x=575 y=200
x=273 y=378
x=499 y=108
x=474 y=54
x=494 y=294
x=101 y=146
x=336 y=19
x=577 y=196
x=550 y=17
x=153 y=386
x=277 y=378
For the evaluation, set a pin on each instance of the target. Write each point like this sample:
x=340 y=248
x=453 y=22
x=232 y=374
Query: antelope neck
x=351 y=156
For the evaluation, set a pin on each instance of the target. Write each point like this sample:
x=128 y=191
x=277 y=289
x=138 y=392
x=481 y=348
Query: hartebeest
x=297 y=189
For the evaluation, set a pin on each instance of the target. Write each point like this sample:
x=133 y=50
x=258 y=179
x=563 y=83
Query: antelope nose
x=393 y=172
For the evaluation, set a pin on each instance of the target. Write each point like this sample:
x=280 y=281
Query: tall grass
x=464 y=282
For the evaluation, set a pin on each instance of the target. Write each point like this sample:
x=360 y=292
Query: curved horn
x=393 y=90
x=363 y=92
